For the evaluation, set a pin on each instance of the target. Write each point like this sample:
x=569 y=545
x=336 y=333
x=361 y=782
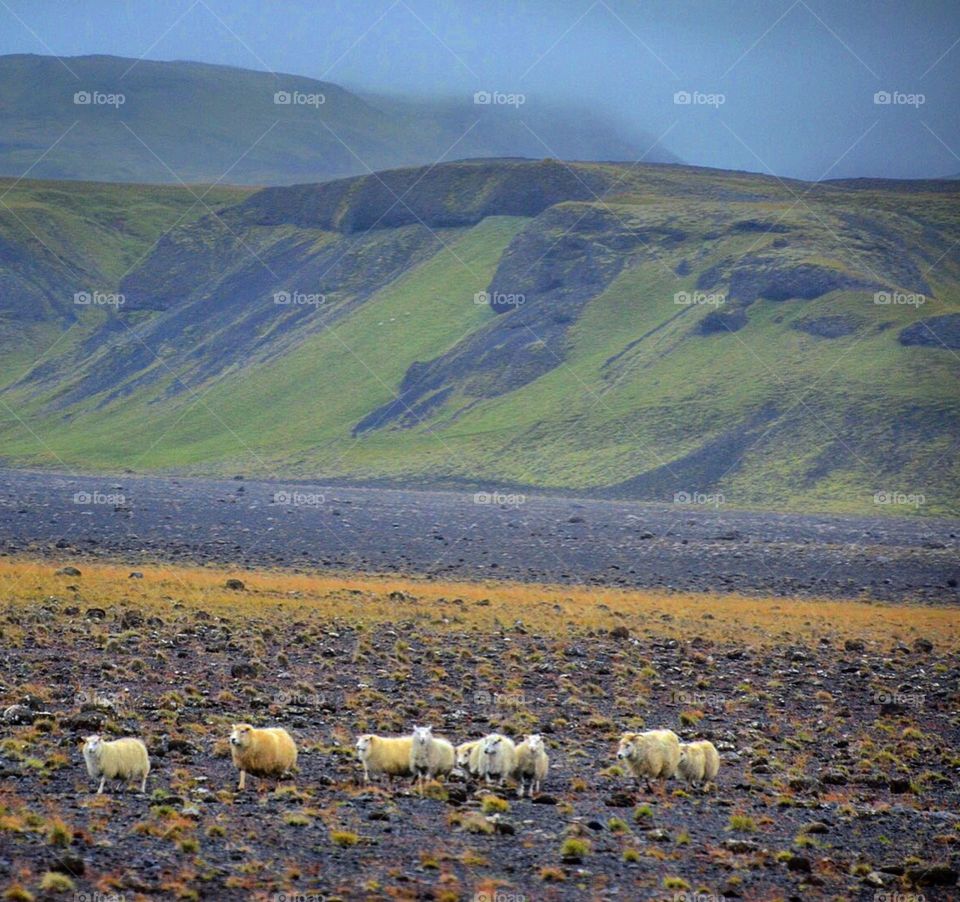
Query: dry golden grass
x=483 y=606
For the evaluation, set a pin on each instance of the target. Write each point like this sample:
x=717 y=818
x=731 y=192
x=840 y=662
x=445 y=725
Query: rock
x=799 y=863
x=96 y=614
x=236 y=584
x=136 y=574
x=740 y=846
x=131 y=620
x=86 y=721
x=19 y=714
x=244 y=670
x=834 y=778
x=925 y=646
x=900 y=785
x=933 y=332
x=815 y=827
x=67 y=571
x=620 y=632
x=658 y=835
x=544 y=799
x=854 y=645
x=933 y=875
x=619 y=800
x=69 y=864
x=875 y=878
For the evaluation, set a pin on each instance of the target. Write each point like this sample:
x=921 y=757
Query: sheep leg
x=102 y=781
x=520 y=788
x=143 y=784
x=243 y=781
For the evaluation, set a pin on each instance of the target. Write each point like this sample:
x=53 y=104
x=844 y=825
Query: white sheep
x=470 y=756
x=498 y=759
x=430 y=756
x=532 y=763
x=699 y=761
x=124 y=759
x=388 y=755
x=654 y=754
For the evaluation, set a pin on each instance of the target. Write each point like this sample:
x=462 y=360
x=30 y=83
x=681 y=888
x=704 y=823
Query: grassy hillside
x=169 y=122
x=680 y=331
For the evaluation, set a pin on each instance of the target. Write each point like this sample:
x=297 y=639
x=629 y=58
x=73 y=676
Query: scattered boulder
x=237 y=585
x=67 y=571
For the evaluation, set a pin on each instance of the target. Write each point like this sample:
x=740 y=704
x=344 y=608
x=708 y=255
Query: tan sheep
x=699 y=762
x=264 y=753
x=388 y=755
x=469 y=757
x=654 y=754
x=498 y=758
x=123 y=759
x=430 y=756
x=532 y=763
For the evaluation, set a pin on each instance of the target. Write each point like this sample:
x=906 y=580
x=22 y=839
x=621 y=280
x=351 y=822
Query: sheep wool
x=264 y=753
x=498 y=759
x=532 y=763
x=388 y=755
x=123 y=759
x=654 y=754
x=699 y=761
x=469 y=757
x=430 y=756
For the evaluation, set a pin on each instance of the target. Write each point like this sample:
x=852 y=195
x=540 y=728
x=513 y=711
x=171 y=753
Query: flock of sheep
x=651 y=755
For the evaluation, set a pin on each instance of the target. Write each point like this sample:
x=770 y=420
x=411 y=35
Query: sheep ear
x=428 y=729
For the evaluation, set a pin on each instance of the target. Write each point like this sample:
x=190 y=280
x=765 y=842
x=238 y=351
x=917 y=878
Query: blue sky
x=786 y=86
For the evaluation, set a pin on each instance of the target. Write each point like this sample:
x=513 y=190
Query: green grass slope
x=789 y=388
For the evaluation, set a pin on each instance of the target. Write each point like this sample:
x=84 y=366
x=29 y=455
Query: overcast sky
x=784 y=86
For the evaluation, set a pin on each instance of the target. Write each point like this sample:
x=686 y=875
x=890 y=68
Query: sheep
x=263 y=753
x=699 y=762
x=532 y=763
x=384 y=755
x=653 y=754
x=429 y=755
x=469 y=757
x=124 y=759
x=498 y=759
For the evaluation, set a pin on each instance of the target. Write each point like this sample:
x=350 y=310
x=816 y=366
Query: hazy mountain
x=634 y=331
x=162 y=122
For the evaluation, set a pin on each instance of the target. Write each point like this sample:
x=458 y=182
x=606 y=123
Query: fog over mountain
x=784 y=87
